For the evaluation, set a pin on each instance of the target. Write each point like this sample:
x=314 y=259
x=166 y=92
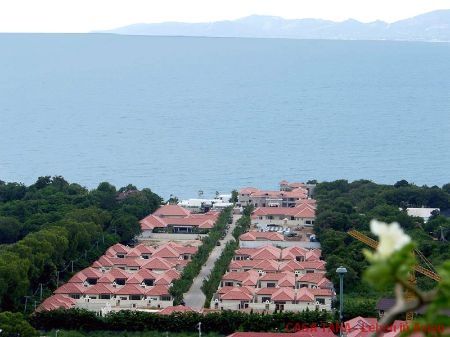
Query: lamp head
x=341 y=270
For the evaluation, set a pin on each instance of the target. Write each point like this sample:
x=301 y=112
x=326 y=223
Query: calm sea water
x=183 y=114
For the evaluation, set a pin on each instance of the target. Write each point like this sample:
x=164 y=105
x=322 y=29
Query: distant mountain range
x=432 y=26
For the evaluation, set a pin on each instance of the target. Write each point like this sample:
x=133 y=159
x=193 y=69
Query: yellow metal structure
x=430 y=273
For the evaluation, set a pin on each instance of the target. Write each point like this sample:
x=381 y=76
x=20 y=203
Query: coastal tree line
x=52 y=228
x=344 y=205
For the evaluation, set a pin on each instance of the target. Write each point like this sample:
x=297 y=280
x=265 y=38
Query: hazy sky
x=87 y=15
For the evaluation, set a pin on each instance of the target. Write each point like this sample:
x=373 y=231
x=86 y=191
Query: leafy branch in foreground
x=391 y=267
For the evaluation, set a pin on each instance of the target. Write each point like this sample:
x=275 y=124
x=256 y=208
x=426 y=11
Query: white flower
x=392 y=238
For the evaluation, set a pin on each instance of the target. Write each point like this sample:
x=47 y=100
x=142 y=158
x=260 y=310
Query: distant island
x=433 y=26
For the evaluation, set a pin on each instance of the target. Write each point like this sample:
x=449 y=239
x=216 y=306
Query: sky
x=88 y=15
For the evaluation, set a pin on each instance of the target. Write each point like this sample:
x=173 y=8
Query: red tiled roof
x=177 y=308
x=151 y=221
x=255 y=236
x=266 y=265
x=318 y=264
x=171 y=210
x=284 y=294
x=70 y=288
x=100 y=288
x=117 y=249
x=158 y=290
x=291 y=265
x=305 y=295
x=248 y=190
x=321 y=292
x=157 y=263
x=166 y=251
x=57 y=302
x=130 y=289
x=237 y=294
x=139 y=250
x=247 y=278
x=267 y=252
x=315 y=278
x=90 y=272
x=300 y=211
x=103 y=261
x=266 y=291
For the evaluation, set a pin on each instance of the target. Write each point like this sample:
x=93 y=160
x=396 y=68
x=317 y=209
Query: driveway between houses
x=195 y=298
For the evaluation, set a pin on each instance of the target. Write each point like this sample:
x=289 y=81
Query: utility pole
x=26 y=303
x=57 y=278
x=199 y=327
x=71 y=262
x=40 y=291
x=341 y=272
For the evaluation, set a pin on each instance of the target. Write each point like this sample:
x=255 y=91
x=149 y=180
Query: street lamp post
x=341 y=272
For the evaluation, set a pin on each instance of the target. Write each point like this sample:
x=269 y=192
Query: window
x=135 y=297
x=265 y=299
x=320 y=300
x=105 y=297
x=309 y=271
x=148 y=282
x=270 y=217
x=271 y=284
x=166 y=298
x=228 y=284
x=292 y=217
x=120 y=256
x=75 y=296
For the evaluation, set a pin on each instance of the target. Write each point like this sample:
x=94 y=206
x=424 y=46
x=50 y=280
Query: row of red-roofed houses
x=178 y=220
x=124 y=278
x=270 y=278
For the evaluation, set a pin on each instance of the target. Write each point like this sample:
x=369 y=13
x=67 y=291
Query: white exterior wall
x=279 y=220
x=115 y=303
x=282 y=244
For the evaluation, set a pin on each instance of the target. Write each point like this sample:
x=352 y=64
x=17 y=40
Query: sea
x=182 y=114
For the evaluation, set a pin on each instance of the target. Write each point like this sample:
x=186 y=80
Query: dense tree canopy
x=53 y=227
x=343 y=205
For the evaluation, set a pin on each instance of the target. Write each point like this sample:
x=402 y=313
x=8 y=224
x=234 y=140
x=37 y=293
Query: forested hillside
x=343 y=206
x=53 y=228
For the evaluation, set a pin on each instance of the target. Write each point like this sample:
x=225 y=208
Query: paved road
x=195 y=298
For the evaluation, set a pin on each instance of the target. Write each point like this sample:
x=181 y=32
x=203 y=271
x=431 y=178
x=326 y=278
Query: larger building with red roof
x=289 y=195
x=176 y=219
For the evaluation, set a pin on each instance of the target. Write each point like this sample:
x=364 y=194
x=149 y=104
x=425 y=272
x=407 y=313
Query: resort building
x=302 y=214
x=176 y=219
x=289 y=195
x=200 y=205
x=136 y=278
